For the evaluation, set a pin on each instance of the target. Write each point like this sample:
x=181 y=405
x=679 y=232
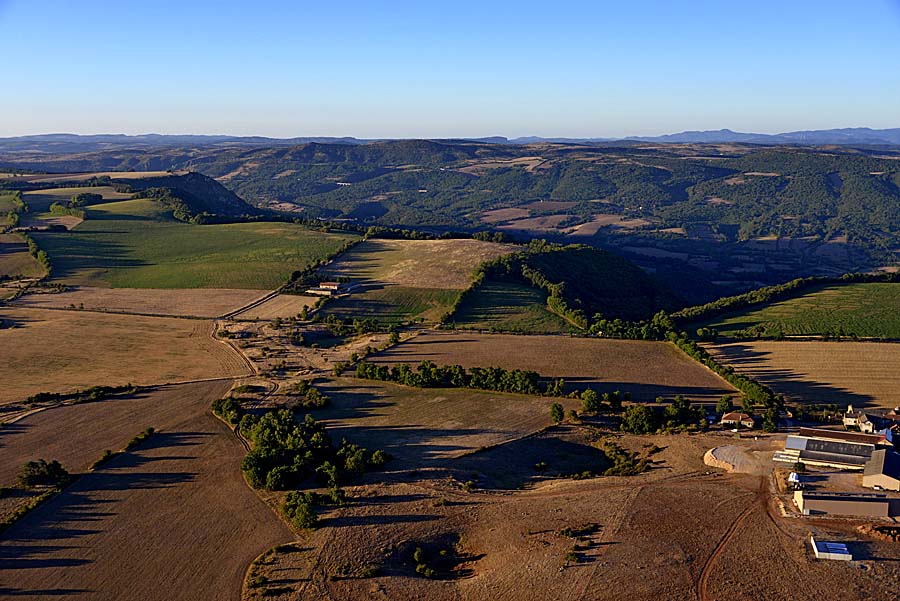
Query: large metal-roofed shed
x=825 y=453
x=857 y=437
x=872 y=505
x=883 y=470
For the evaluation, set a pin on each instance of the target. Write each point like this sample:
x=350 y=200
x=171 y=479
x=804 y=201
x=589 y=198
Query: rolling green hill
x=560 y=288
x=136 y=244
x=861 y=309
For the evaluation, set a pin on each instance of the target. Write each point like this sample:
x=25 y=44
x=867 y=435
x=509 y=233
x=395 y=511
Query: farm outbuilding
x=870 y=505
x=883 y=471
x=737 y=419
x=830 y=448
x=830 y=550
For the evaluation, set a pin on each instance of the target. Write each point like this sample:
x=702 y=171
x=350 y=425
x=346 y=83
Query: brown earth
x=645 y=369
x=500 y=215
x=858 y=373
x=195 y=302
x=679 y=531
x=62 y=351
x=170 y=520
x=539 y=224
x=424 y=427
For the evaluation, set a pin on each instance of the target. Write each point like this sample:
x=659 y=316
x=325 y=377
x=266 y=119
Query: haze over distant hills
x=87 y=143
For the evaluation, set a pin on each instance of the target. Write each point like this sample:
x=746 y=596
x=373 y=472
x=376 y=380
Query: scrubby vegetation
x=88 y=395
x=42 y=473
x=285 y=453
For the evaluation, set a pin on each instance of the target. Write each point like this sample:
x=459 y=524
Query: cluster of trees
x=59 y=209
x=42 y=473
x=430 y=375
x=285 y=453
x=657 y=328
x=677 y=415
x=84 y=199
x=312 y=397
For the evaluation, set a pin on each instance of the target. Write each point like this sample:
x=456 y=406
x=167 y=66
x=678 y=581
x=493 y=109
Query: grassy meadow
x=867 y=310
x=508 y=307
x=130 y=244
x=405 y=280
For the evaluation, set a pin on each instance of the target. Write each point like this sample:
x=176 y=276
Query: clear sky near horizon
x=428 y=69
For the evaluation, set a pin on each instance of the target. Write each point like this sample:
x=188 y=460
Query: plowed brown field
x=858 y=373
x=170 y=520
x=646 y=369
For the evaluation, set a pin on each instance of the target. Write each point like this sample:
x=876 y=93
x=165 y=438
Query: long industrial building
x=830 y=448
x=870 y=505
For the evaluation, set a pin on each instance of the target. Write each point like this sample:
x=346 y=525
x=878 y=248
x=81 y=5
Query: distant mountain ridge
x=59 y=143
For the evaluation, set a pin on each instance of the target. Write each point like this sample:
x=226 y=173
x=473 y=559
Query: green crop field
x=130 y=245
x=868 y=310
x=508 y=307
x=39 y=201
x=394 y=304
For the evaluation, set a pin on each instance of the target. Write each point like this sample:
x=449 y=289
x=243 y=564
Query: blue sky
x=429 y=69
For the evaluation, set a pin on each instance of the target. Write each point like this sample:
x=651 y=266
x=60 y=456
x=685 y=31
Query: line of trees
x=430 y=375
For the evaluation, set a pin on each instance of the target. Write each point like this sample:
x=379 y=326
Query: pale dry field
x=436 y=264
x=63 y=351
x=15 y=258
x=646 y=369
x=193 y=302
x=170 y=520
x=281 y=305
x=859 y=373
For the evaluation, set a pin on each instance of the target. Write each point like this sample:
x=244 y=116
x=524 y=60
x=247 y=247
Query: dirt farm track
x=110 y=534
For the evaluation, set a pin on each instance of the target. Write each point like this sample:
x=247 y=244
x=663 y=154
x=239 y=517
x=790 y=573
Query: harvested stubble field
x=196 y=302
x=429 y=426
x=127 y=245
x=63 y=351
x=661 y=535
x=869 y=310
x=281 y=305
x=645 y=369
x=110 y=535
x=859 y=373
x=408 y=279
x=15 y=260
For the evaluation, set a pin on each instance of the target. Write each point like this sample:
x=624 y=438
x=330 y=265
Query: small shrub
x=42 y=473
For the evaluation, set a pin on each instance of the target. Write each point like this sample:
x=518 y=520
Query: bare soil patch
x=426 y=427
x=500 y=215
x=550 y=205
x=194 y=302
x=858 y=373
x=63 y=351
x=544 y=223
x=646 y=369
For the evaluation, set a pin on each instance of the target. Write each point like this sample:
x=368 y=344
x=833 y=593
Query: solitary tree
x=725 y=404
x=556 y=413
